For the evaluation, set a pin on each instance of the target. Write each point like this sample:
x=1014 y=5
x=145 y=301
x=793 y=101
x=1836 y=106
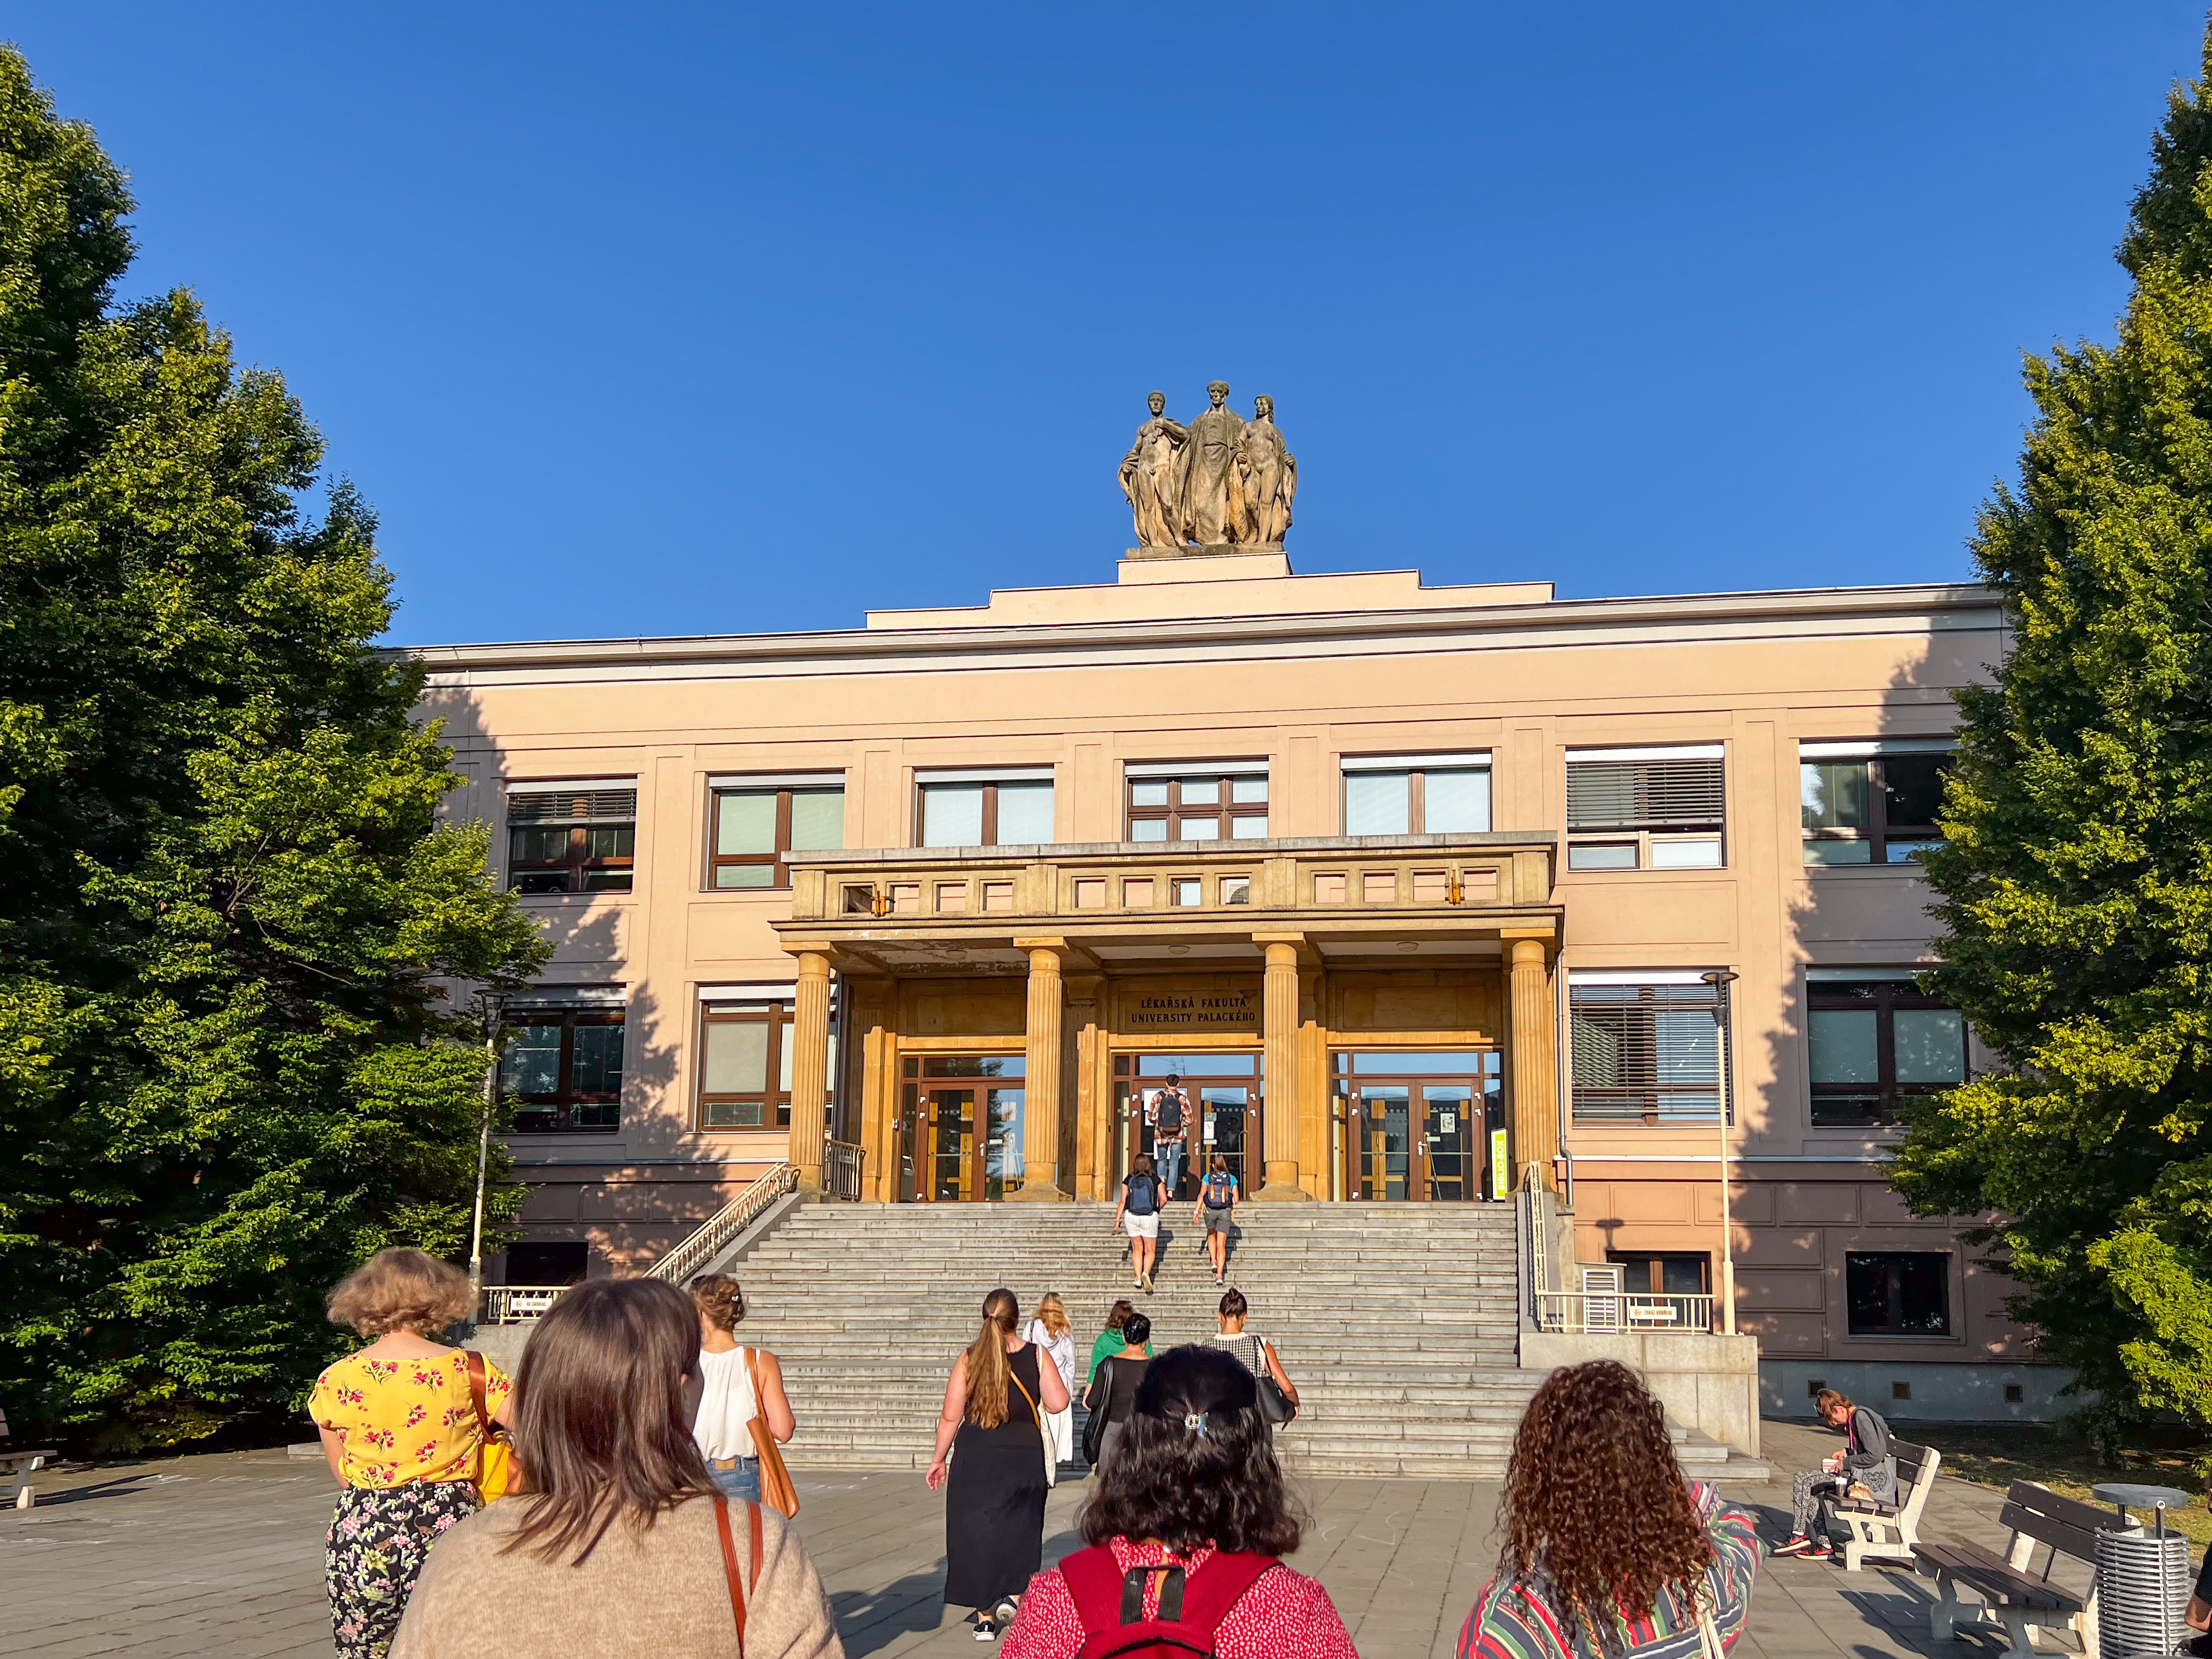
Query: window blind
x=1644 y=1052
x=1645 y=794
x=572 y=807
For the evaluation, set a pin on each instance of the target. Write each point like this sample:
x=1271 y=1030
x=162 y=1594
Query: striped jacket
x=1516 y=1622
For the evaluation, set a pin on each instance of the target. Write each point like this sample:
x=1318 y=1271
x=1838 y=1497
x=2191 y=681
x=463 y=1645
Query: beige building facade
x=1424 y=893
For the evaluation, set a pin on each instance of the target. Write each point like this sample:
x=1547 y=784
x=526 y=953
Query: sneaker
x=1003 y=1613
x=1794 y=1546
x=1820 y=1550
x=984 y=1633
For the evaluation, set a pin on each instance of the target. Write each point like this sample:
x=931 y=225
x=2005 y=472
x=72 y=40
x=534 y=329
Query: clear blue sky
x=684 y=318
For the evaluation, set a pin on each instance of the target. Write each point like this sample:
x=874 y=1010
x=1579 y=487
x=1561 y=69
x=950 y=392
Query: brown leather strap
x=730 y=1561
x=752 y=1518
x=1015 y=1377
x=476 y=1385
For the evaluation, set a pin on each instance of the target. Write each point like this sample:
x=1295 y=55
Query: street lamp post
x=489 y=1003
x=1720 y=979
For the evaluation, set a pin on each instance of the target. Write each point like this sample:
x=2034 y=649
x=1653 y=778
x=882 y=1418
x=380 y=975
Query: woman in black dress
x=995 y=1492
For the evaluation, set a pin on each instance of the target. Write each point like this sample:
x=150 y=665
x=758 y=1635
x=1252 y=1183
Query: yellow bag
x=495 y=1450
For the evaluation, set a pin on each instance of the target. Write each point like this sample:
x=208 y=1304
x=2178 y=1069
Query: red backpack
x=1111 y=1604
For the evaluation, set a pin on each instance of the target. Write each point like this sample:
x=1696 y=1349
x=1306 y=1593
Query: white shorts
x=1142 y=1226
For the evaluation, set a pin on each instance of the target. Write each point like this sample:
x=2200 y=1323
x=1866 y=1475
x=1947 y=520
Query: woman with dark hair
x=1254 y=1351
x=613 y=1539
x=1194 y=1517
x=993 y=1428
x=1108 y=1341
x=1607 y=1551
x=1112 y=1395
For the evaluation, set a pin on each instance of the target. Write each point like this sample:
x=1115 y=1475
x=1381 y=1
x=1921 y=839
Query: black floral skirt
x=377 y=1542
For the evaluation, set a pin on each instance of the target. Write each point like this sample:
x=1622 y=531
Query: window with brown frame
x=1869 y=808
x=745 y=1072
x=1198 y=806
x=981 y=812
x=757 y=827
x=1876 y=1044
x=577 y=838
x=562 y=1069
x=1431 y=796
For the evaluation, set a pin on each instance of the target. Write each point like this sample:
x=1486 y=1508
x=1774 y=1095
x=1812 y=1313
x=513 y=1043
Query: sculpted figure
x=1209 y=482
x=1270 y=475
x=1148 y=476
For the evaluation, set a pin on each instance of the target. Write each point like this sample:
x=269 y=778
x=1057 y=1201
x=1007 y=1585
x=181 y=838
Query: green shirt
x=1108 y=1343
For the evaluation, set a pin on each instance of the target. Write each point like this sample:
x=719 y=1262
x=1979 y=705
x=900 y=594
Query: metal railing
x=841 y=1171
x=518 y=1305
x=693 y=1255
x=1535 y=1222
x=1622 y=1313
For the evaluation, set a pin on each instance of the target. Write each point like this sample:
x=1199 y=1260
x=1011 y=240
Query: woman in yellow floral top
x=399 y=1427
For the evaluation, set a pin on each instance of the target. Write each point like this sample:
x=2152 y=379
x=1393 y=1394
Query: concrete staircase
x=1397 y=1321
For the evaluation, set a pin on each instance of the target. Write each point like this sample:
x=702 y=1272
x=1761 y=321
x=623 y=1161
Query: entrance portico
x=1093 y=966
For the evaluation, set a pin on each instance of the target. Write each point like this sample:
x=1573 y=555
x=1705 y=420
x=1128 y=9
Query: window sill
x=573 y=900
x=1861 y=870
x=744 y=892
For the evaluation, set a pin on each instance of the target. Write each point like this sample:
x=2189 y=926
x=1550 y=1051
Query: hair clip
x=1195 y=1422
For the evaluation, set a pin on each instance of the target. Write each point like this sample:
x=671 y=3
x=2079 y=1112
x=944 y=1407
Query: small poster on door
x=1447 y=1123
x=1501 y=1167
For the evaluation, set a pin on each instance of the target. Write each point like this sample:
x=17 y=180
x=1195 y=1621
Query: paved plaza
x=222 y=1555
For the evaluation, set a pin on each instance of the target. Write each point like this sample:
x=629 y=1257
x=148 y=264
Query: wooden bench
x=1887 y=1532
x=19 y=1464
x=2014 y=1593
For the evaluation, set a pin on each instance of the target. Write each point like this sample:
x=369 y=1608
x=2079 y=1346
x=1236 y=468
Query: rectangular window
x=1673 y=1273
x=562 y=1069
x=979 y=809
x=570 y=837
x=1898 y=1292
x=1646 y=808
x=1645 y=1051
x=1871 y=803
x=1875 y=1044
x=757 y=825
x=1218 y=801
x=1416 y=795
x=744 y=1071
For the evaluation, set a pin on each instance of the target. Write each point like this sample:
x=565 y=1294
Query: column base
x=1037 y=1192
x=1282 y=1187
x=809 y=1184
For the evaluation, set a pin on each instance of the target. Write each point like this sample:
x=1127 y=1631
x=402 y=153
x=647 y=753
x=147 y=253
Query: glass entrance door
x=1420 y=1126
x=1224 y=1096
x=960 y=1128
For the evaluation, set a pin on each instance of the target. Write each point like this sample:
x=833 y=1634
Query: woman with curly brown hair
x=1609 y=1552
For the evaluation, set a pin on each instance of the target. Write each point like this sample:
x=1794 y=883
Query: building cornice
x=1791 y=615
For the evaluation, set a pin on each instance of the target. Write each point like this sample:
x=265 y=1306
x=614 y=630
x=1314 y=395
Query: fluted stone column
x=1535 y=1065
x=810 y=1067
x=1041 y=1082
x=1279 y=1014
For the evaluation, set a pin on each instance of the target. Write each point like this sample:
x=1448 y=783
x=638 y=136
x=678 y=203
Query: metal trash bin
x=2143 y=1581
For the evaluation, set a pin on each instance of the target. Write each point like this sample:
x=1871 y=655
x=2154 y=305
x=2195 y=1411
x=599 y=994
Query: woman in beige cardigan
x=609 y=1541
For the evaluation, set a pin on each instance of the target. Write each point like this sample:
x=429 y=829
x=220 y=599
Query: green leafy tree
x=230 y=913
x=2075 y=890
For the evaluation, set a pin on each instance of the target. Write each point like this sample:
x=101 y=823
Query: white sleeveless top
x=726 y=1406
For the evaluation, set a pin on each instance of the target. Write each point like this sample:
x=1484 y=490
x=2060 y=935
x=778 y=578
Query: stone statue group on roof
x=1221 y=480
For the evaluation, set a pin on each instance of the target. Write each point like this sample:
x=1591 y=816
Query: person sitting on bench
x=1865 y=1461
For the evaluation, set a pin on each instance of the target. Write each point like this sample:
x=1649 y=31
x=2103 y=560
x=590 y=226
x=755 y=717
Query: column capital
x=1528 y=951
x=1295 y=941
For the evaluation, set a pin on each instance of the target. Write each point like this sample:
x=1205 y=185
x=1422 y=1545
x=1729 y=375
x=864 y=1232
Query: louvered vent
x=1645 y=794
x=1645 y=1052
x=573 y=806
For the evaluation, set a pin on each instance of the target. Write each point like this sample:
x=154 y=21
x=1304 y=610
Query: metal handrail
x=841 y=1171
x=518 y=1305
x=725 y=1225
x=1611 y=1313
